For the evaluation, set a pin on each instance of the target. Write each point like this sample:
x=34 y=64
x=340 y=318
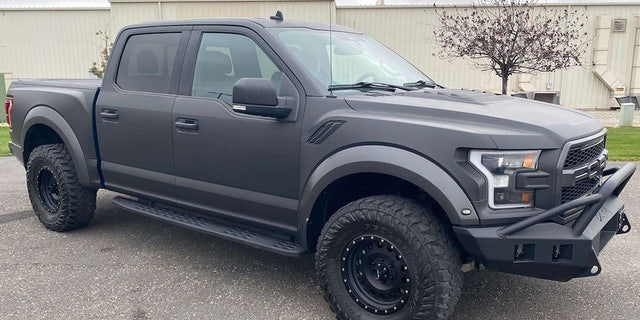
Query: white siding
x=50 y=43
x=123 y=14
x=134 y=12
x=62 y=42
x=409 y=31
x=316 y=11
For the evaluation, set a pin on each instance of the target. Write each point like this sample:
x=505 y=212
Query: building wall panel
x=51 y=43
x=409 y=31
x=316 y=11
x=126 y=13
x=38 y=43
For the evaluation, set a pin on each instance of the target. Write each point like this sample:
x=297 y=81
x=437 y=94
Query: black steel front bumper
x=537 y=247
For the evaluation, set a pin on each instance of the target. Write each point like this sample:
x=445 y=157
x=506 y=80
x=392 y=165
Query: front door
x=238 y=166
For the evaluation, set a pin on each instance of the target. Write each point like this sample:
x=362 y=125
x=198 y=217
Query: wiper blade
x=368 y=85
x=422 y=84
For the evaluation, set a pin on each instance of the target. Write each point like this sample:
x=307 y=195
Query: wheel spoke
x=375 y=274
x=48 y=191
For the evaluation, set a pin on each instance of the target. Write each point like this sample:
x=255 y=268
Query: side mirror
x=258 y=97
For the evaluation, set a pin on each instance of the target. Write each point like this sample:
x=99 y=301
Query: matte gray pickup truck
x=299 y=138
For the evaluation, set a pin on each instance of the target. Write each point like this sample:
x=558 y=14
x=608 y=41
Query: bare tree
x=98 y=67
x=512 y=36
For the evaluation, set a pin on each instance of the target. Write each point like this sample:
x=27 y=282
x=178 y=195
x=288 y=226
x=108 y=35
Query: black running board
x=228 y=232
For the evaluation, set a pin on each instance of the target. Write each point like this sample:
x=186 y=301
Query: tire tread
x=77 y=203
x=428 y=233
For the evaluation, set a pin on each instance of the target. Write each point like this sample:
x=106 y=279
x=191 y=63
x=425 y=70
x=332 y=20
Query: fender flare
x=391 y=161
x=47 y=116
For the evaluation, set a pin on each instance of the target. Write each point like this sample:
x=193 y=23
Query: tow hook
x=625 y=226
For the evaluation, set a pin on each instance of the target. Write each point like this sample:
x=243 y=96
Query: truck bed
x=65 y=105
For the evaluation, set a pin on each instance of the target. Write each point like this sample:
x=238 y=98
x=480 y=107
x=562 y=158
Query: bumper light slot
x=562 y=253
x=524 y=252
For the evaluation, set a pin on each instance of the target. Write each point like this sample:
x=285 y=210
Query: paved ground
x=128 y=267
x=611 y=118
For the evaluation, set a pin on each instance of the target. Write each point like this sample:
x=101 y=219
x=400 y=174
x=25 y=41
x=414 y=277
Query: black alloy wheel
x=388 y=258
x=48 y=191
x=375 y=274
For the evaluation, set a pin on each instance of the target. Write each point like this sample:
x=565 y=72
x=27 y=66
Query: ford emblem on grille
x=595 y=170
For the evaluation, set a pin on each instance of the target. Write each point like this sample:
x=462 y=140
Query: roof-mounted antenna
x=278 y=16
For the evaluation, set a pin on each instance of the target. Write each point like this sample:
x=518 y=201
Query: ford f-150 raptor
x=305 y=138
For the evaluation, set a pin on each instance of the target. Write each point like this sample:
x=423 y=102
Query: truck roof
x=245 y=22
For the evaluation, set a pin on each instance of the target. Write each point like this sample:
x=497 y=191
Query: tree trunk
x=505 y=78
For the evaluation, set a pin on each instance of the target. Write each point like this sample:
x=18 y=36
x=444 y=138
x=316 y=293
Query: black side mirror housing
x=258 y=97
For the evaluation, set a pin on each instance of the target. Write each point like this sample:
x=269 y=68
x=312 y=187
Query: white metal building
x=40 y=39
x=56 y=38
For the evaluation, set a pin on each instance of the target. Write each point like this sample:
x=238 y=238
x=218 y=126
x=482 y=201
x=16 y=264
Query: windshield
x=355 y=58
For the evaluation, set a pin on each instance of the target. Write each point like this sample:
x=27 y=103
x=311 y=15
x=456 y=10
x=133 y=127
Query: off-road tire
x=73 y=205
x=419 y=234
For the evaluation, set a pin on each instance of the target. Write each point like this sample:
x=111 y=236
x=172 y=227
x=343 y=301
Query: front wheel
x=387 y=257
x=59 y=200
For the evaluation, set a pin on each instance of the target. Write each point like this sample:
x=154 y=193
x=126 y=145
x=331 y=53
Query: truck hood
x=512 y=123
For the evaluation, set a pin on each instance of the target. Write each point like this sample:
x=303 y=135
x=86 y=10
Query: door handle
x=187 y=124
x=109 y=114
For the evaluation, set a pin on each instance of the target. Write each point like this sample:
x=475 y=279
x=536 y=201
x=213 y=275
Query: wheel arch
x=38 y=124
x=393 y=165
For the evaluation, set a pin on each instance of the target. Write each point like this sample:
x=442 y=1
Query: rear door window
x=147 y=62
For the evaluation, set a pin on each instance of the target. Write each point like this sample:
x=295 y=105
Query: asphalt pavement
x=125 y=266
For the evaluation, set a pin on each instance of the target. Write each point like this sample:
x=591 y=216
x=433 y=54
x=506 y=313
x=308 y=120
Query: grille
x=581 y=188
x=581 y=154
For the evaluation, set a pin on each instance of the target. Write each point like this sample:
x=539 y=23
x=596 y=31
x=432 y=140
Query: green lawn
x=623 y=143
x=4 y=140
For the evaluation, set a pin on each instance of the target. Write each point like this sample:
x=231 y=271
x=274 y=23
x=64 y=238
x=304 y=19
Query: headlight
x=500 y=167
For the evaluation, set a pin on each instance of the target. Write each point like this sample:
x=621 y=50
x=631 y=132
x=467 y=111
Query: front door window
x=225 y=58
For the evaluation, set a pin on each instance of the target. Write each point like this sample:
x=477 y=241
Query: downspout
x=634 y=86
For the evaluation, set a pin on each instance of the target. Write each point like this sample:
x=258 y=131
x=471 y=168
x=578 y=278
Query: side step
x=232 y=233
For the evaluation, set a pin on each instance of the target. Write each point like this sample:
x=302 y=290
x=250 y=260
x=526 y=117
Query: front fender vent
x=325 y=130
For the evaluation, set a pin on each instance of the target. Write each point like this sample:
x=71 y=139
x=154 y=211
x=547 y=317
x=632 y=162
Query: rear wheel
x=387 y=257
x=59 y=200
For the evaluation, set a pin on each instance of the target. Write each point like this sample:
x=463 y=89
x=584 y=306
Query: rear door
x=240 y=166
x=133 y=112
